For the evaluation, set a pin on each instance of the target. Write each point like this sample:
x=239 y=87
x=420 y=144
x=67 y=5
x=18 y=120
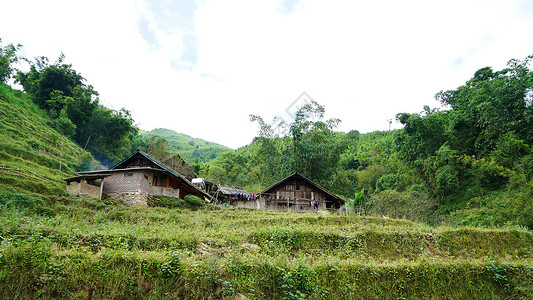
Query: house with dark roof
x=133 y=180
x=298 y=193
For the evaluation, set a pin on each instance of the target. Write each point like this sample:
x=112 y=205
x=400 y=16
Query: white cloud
x=202 y=67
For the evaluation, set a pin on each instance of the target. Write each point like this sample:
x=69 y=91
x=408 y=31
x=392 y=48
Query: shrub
x=189 y=202
x=194 y=201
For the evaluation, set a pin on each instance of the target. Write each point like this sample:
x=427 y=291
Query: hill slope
x=89 y=249
x=187 y=147
x=31 y=152
x=53 y=245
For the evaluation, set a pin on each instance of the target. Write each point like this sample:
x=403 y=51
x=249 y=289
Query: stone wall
x=130 y=199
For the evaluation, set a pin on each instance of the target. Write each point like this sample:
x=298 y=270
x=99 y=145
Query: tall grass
x=81 y=248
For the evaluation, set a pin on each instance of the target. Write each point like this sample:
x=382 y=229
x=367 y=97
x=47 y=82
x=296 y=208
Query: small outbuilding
x=236 y=196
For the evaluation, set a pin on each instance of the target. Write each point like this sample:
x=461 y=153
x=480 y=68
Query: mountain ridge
x=189 y=148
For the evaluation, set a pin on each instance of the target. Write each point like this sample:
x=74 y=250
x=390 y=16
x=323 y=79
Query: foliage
x=8 y=57
x=312 y=148
x=479 y=148
x=358 y=201
x=75 y=111
x=156 y=147
x=172 y=267
x=192 y=150
x=95 y=249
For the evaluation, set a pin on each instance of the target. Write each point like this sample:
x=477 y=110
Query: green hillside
x=31 y=152
x=81 y=249
x=187 y=147
x=53 y=245
x=467 y=163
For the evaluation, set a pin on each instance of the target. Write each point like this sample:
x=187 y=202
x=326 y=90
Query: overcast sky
x=201 y=67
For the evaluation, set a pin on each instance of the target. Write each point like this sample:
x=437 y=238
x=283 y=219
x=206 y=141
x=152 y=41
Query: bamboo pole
x=60 y=159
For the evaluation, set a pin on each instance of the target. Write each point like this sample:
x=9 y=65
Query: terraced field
x=83 y=248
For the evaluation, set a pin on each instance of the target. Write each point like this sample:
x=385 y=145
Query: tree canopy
x=75 y=110
x=8 y=57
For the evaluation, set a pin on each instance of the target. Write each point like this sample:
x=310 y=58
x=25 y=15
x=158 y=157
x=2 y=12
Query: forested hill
x=469 y=164
x=189 y=148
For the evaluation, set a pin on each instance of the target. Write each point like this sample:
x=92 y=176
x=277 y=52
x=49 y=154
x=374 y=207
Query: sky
x=202 y=67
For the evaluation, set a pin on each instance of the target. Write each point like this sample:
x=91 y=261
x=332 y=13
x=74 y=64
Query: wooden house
x=134 y=180
x=298 y=193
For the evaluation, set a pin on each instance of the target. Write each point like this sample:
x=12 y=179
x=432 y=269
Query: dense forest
x=470 y=163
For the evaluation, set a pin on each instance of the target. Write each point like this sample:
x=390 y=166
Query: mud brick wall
x=83 y=189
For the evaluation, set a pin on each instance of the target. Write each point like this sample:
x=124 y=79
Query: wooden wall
x=297 y=194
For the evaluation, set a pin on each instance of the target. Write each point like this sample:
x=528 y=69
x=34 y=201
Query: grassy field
x=85 y=248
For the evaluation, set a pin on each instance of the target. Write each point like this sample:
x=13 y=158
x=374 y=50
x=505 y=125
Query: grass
x=55 y=246
x=80 y=247
x=30 y=145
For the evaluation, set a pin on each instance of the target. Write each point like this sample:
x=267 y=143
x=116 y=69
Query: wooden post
x=60 y=159
x=288 y=200
x=101 y=188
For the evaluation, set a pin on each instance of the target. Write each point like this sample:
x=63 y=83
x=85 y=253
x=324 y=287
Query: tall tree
x=8 y=57
x=43 y=80
x=74 y=109
x=490 y=105
x=312 y=148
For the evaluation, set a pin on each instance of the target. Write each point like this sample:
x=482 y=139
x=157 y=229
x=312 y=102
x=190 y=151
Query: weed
x=172 y=267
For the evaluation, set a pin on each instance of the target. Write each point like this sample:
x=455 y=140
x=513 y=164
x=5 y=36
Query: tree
x=44 y=80
x=311 y=147
x=156 y=147
x=490 y=105
x=74 y=109
x=479 y=144
x=267 y=156
x=421 y=135
x=8 y=57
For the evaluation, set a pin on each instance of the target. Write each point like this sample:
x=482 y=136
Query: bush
x=188 y=202
x=194 y=201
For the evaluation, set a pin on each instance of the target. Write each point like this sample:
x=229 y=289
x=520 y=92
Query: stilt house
x=298 y=193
